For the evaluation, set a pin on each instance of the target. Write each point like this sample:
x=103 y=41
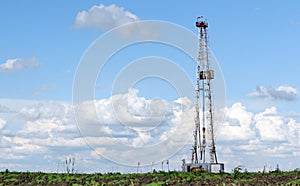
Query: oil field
x=132 y=93
x=198 y=172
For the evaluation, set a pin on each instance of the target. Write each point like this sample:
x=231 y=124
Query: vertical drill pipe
x=202 y=60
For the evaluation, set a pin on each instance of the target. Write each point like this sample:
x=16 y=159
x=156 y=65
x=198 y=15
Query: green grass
x=156 y=183
x=295 y=182
x=159 y=178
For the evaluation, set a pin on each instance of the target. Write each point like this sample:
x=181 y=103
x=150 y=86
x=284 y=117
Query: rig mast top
x=201 y=23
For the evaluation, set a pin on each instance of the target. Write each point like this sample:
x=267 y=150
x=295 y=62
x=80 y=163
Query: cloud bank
x=46 y=132
x=19 y=64
x=284 y=93
x=47 y=128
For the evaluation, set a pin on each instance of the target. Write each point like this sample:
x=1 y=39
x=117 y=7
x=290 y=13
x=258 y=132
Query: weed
x=236 y=172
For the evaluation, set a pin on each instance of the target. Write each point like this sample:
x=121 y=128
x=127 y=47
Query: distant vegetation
x=237 y=177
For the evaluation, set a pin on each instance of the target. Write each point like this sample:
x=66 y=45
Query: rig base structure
x=203 y=167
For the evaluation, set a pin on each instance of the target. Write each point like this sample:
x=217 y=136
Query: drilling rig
x=204 y=134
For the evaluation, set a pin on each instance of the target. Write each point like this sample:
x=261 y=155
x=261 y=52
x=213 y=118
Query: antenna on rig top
x=204 y=138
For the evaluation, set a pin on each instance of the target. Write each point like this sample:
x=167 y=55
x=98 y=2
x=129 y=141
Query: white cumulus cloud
x=268 y=125
x=18 y=64
x=136 y=123
x=104 y=17
x=274 y=126
x=254 y=139
x=285 y=93
x=108 y=17
x=128 y=115
x=238 y=124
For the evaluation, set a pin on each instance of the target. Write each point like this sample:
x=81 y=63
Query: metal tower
x=204 y=77
x=204 y=114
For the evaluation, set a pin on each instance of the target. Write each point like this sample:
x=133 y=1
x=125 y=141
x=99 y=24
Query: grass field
x=152 y=179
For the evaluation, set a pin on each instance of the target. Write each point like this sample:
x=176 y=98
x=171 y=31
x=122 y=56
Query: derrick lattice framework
x=204 y=119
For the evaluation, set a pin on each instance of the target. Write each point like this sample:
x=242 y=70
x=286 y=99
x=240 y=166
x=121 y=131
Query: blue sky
x=247 y=38
x=256 y=44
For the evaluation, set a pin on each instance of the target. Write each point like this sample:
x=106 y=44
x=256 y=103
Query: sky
x=45 y=44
